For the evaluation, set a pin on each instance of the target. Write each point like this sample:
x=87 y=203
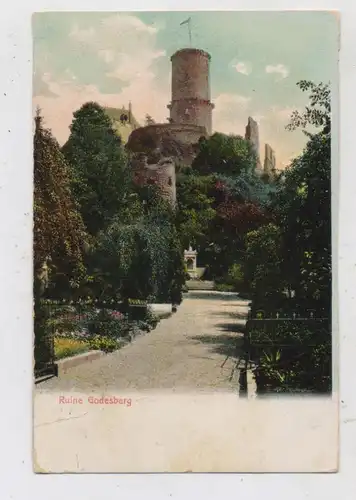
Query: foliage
x=195 y=208
x=294 y=356
x=294 y=255
x=224 y=154
x=105 y=344
x=99 y=166
x=303 y=208
x=235 y=277
x=221 y=199
x=59 y=232
x=58 y=235
x=137 y=302
x=228 y=229
x=140 y=260
x=262 y=263
x=108 y=324
x=224 y=287
x=65 y=347
x=247 y=187
x=318 y=112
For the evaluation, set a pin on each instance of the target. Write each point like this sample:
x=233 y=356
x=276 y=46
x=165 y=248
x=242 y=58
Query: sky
x=257 y=58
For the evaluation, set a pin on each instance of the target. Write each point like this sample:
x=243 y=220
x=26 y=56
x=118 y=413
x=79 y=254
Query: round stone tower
x=191 y=103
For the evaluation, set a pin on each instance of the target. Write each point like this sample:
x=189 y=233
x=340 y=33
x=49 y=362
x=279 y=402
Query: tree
x=318 y=112
x=195 y=209
x=262 y=264
x=99 y=166
x=232 y=222
x=303 y=208
x=140 y=259
x=228 y=155
x=303 y=205
x=247 y=187
x=59 y=233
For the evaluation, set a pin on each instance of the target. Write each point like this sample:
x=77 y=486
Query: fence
x=291 y=353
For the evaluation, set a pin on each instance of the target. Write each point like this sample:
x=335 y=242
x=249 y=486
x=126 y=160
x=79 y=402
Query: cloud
x=243 y=68
x=125 y=43
x=279 y=69
x=231 y=113
x=58 y=111
x=224 y=101
x=283 y=114
x=128 y=47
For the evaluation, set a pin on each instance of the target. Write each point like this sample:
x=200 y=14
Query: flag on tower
x=186 y=21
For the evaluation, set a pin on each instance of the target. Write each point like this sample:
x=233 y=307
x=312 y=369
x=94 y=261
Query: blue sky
x=256 y=60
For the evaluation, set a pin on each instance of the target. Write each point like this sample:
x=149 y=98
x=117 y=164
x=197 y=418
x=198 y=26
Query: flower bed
x=98 y=328
x=65 y=347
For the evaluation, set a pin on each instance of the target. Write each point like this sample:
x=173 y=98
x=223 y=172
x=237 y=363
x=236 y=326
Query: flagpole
x=188 y=21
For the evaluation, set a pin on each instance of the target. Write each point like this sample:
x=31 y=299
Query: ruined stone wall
x=162 y=174
x=178 y=141
x=252 y=135
x=191 y=103
x=269 y=166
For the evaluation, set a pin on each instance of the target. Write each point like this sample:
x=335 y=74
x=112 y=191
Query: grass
x=65 y=347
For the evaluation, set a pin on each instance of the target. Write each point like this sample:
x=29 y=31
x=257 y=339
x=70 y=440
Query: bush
x=224 y=287
x=107 y=324
x=235 y=275
x=293 y=356
x=103 y=343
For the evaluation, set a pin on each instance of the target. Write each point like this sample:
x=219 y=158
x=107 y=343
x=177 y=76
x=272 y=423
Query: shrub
x=107 y=324
x=235 y=276
x=293 y=356
x=103 y=343
x=224 y=287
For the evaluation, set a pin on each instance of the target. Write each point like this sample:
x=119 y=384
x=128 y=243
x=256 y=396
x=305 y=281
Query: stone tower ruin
x=190 y=102
x=158 y=148
x=252 y=135
x=269 y=166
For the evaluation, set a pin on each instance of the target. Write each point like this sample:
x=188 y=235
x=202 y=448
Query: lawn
x=65 y=347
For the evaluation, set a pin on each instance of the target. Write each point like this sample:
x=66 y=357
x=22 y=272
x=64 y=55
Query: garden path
x=197 y=348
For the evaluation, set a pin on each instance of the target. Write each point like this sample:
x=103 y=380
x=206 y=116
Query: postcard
x=185 y=186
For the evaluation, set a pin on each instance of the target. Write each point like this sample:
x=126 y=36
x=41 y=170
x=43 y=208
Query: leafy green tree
x=228 y=155
x=247 y=187
x=303 y=205
x=99 y=166
x=303 y=208
x=59 y=233
x=195 y=210
x=262 y=264
x=318 y=112
x=141 y=260
x=232 y=222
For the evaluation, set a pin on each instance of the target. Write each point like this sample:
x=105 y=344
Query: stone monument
x=190 y=259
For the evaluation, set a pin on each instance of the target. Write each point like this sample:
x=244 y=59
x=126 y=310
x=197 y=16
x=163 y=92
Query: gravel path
x=195 y=349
